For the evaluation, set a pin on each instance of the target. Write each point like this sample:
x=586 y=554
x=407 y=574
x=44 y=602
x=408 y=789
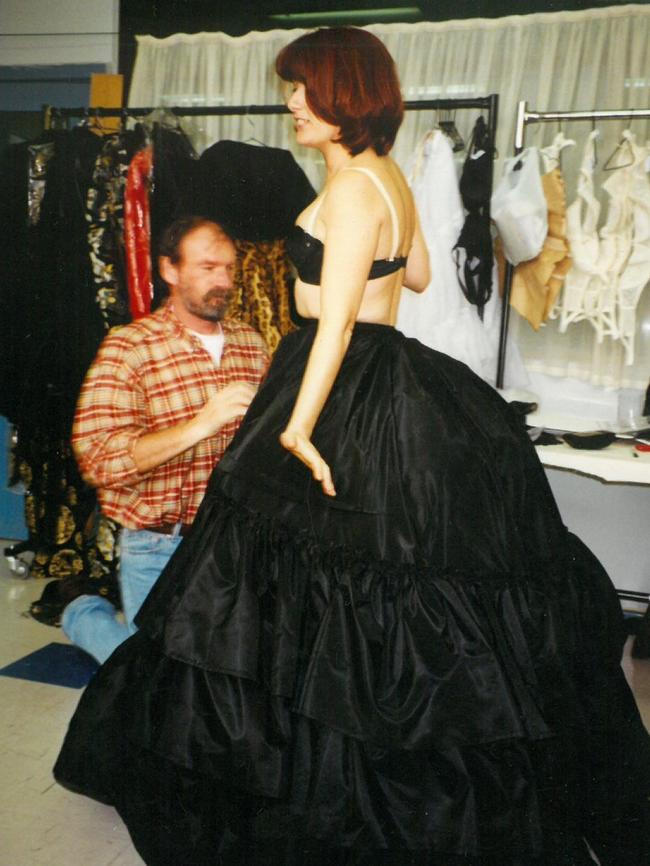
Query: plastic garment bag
x=519 y=208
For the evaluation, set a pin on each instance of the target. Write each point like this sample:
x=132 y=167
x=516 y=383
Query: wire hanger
x=252 y=139
x=622 y=150
x=553 y=153
x=163 y=117
x=90 y=121
x=595 y=135
x=95 y=123
x=448 y=126
x=84 y=123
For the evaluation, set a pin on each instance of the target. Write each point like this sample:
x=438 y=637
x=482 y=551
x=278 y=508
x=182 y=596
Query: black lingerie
x=306 y=253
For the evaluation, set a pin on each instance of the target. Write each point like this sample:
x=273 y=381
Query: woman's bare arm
x=418 y=274
x=352 y=224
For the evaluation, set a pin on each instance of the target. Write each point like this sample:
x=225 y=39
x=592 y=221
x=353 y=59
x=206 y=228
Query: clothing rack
x=489 y=104
x=524 y=117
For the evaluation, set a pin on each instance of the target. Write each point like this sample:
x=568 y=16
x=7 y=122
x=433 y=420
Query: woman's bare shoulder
x=351 y=188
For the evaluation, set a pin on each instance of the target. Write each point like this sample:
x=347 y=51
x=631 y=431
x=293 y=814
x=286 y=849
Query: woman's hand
x=302 y=448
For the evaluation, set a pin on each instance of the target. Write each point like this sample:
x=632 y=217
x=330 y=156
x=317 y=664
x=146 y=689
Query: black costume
x=473 y=252
x=254 y=192
x=422 y=670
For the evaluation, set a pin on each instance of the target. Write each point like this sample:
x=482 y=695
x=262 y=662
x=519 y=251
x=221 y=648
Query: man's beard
x=209 y=312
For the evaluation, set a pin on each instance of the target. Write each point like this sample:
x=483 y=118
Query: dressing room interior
x=526 y=146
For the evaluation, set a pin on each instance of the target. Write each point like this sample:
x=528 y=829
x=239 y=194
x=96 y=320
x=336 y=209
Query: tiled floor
x=42 y=824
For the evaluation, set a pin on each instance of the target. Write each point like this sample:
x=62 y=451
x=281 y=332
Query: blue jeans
x=91 y=622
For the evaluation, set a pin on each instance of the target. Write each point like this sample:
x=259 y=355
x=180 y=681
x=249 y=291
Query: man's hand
x=229 y=403
x=154 y=449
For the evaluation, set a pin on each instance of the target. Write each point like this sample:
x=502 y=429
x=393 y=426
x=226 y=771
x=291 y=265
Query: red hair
x=350 y=81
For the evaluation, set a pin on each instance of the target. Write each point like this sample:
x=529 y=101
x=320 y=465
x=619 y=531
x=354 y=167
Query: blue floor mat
x=57 y=664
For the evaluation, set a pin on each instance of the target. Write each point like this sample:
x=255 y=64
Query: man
x=158 y=407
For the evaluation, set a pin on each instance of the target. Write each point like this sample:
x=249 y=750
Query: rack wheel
x=18 y=567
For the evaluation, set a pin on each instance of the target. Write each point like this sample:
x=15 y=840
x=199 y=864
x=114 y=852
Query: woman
x=388 y=650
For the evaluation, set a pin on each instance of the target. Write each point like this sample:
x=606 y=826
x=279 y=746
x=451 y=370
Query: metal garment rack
x=524 y=117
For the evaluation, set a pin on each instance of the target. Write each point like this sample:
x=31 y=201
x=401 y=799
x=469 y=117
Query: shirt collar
x=168 y=315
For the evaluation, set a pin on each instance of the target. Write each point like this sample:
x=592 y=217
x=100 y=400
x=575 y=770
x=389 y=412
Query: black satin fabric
x=423 y=670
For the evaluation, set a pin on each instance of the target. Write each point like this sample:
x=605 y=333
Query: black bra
x=306 y=251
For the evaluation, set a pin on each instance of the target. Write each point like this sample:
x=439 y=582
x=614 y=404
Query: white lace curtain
x=565 y=61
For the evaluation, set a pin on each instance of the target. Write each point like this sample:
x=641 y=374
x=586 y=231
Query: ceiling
x=236 y=17
x=163 y=17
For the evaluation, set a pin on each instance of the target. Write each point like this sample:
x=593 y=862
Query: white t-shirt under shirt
x=213 y=344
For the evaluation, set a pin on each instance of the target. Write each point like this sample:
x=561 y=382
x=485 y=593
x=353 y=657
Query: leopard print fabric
x=262 y=287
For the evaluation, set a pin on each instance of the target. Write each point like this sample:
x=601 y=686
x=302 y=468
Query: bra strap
x=391 y=207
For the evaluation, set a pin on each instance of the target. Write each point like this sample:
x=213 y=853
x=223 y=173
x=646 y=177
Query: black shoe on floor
x=60 y=592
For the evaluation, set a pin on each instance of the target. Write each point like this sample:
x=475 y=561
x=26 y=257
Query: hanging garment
x=58 y=327
x=635 y=274
x=137 y=232
x=551 y=157
x=409 y=673
x=39 y=156
x=519 y=207
x=584 y=243
x=473 y=252
x=616 y=237
x=255 y=192
x=19 y=213
x=441 y=317
x=262 y=289
x=536 y=283
x=105 y=216
x=174 y=163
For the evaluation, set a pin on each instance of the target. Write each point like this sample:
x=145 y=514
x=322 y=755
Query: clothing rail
x=488 y=103
x=524 y=117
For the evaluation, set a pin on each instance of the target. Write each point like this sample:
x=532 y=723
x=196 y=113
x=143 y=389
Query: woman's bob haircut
x=350 y=82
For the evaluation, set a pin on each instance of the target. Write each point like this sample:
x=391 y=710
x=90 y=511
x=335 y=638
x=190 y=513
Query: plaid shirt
x=148 y=376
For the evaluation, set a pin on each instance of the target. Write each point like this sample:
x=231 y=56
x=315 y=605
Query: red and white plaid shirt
x=148 y=376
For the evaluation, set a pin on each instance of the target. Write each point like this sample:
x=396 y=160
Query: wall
x=46 y=32
x=48 y=48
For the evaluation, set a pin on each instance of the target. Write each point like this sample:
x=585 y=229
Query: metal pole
x=509 y=272
x=223 y=110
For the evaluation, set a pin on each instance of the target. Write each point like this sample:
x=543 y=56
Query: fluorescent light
x=397 y=12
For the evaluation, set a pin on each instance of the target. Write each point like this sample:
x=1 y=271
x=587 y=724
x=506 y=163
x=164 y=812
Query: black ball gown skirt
x=422 y=670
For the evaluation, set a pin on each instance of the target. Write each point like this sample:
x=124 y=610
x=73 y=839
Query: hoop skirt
x=422 y=670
